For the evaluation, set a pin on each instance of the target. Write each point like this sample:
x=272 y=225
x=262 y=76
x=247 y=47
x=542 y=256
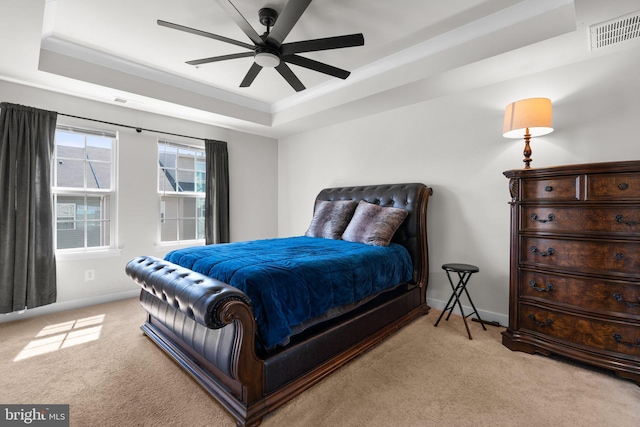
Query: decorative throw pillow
x=374 y=225
x=331 y=218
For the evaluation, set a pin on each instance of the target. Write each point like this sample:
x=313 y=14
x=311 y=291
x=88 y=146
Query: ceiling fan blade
x=338 y=42
x=291 y=78
x=251 y=75
x=287 y=19
x=241 y=22
x=316 y=66
x=204 y=34
x=220 y=58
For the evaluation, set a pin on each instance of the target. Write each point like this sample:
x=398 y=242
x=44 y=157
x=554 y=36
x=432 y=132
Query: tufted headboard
x=412 y=233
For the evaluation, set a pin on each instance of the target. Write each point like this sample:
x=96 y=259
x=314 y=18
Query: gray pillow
x=374 y=225
x=331 y=218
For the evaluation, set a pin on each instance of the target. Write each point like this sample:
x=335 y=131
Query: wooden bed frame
x=208 y=326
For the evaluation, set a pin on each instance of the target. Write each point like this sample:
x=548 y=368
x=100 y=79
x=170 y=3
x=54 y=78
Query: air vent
x=615 y=31
x=130 y=102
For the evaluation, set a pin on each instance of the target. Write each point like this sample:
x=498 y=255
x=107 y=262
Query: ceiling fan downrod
x=268 y=18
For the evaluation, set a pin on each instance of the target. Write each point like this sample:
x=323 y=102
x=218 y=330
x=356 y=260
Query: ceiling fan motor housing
x=266 y=56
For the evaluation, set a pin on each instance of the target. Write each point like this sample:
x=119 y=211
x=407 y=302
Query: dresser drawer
x=586 y=256
x=565 y=188
x=613 y=186
x=625 y=220
x=619 y=337
x=607 y=297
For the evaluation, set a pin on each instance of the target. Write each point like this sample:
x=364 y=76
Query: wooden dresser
x=575 y=264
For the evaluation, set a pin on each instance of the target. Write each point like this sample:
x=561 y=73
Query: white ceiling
x=128 y=30
x=104 y=50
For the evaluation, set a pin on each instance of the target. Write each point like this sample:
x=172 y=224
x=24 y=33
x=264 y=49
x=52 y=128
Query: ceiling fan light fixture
x=266 y=58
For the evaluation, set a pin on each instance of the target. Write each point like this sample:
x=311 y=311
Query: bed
x=257 y=323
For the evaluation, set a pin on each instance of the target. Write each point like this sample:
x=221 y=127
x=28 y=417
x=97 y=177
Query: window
x=84 y=189
x=181 y=185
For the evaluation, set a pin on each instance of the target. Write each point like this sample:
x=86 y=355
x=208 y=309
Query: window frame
x=181 y=194
x=112 y=230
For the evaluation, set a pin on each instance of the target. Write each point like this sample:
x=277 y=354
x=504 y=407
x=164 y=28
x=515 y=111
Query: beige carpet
x=98 y=361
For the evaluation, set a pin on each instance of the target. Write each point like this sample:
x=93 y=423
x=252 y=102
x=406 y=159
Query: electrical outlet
x=89 y=275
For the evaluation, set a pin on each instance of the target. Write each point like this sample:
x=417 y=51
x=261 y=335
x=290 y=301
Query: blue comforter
x=292 y=280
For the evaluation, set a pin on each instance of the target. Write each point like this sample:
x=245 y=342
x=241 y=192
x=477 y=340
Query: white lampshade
x=533 y=114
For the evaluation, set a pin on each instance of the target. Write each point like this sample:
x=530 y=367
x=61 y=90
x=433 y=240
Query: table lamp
x=527 y=118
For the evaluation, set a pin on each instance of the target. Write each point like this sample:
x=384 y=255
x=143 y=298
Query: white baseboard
x=488 y=316
x=67 y=305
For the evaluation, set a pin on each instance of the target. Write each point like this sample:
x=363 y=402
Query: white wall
x=253 y=190
x=454 y=144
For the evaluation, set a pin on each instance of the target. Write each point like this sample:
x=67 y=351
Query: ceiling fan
x=268 y=50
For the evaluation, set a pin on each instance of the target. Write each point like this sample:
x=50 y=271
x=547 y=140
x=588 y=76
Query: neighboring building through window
x=181 y=186
x=84 y=188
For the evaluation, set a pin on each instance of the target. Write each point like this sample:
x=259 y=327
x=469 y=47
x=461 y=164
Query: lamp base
x=527 y=150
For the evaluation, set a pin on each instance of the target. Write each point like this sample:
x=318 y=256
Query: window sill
x=101 y=253
x=170 y=246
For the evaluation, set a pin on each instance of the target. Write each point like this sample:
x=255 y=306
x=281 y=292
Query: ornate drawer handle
x=549 y=251
x=618 y=256
x=621 y=300
x=539 y=289
x=623 y=186
x=548 y=188
x=620 y=220
x=548 y=322
x=618 y=339
x=550 y=218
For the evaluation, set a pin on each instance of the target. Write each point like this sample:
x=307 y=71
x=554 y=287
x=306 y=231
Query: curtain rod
x=138 y=129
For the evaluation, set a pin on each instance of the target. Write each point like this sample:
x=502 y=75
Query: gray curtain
x=27 y=254
x=216 y=226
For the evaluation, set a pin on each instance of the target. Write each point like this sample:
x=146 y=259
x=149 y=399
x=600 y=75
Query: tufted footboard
x=206 y=325
x=197 y=296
